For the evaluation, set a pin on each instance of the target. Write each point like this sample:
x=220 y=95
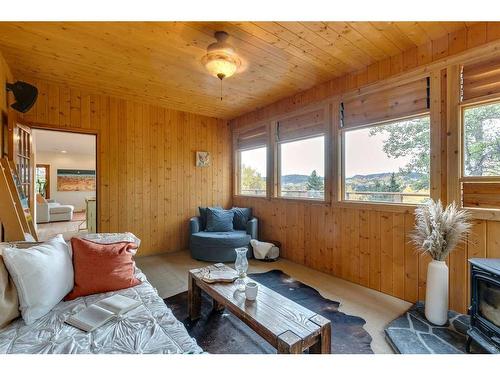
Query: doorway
x=65 y=182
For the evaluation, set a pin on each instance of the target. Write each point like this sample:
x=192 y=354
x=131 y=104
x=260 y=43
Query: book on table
x=218 y=273
x=101 y=312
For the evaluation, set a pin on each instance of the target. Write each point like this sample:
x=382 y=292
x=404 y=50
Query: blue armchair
x=219 y=246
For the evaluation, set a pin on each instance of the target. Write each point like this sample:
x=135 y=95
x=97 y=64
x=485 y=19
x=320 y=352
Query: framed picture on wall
x=75 y=180
x=202 y=159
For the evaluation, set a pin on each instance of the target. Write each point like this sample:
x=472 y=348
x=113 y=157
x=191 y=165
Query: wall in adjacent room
x=70 y=160
x=147 y=180
x=5 y=76
x=369 y=244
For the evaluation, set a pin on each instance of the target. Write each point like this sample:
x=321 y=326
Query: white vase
x=436 y=295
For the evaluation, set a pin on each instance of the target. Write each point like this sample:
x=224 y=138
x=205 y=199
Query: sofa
x=219 y=246
x=48 y=210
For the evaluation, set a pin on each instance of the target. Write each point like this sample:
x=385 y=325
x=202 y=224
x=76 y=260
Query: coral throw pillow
x=101 y=267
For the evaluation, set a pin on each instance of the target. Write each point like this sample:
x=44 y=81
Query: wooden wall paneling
x=457 y=264
x=375 y=250
x=354 y=247
x=453 y=134
x=411 y=259
x=114 y=157
x=145 y=161
x=364 y=247
x=398 y=255
x=386 y=252
x=476 y=246
x=435 y=134
x=493 y=239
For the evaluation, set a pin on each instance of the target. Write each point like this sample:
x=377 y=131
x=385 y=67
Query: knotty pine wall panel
x=5 y=76
x=147 y=180
x=370 y=246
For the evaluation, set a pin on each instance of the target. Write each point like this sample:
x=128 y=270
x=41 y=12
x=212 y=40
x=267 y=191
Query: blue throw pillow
x=203 y=215
x=219 y=220
x=241 y=217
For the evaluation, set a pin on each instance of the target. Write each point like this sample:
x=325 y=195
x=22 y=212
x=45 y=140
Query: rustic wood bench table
x=286 y=325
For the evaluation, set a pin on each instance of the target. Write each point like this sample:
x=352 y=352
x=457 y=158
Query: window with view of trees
x=252 y=171
x=482 y=140
x=302 y=168
x=389 y=162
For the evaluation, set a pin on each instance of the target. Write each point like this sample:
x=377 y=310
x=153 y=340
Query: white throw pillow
x=43 y=275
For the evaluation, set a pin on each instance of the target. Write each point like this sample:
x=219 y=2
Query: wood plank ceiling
x=159 y=62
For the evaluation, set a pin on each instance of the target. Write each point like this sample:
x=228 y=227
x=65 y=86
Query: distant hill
x=357 y=180
x=296 y=179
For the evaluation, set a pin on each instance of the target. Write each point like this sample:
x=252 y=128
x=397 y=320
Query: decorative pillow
x=105 y=238
x=101 y=267
x=203 y=215
x=219 y=220
x=241 y=217
x=9 y=303
x=43 y=275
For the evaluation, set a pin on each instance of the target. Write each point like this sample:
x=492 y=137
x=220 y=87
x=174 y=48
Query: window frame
x=237 y=172
x=342 y=160
x=462 y=107
x=486 y=213
x=278 y=144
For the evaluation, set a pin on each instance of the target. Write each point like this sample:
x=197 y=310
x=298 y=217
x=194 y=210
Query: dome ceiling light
x=221 y=61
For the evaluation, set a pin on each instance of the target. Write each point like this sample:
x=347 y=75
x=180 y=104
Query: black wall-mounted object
x=25 y=95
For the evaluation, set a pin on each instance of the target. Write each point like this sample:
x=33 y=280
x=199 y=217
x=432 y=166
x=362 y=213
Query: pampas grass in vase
x=437 y=232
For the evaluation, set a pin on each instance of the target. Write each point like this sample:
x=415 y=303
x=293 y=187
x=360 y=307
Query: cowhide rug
x=222 y=332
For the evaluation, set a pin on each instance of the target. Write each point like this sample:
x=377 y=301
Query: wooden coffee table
x=286 y=325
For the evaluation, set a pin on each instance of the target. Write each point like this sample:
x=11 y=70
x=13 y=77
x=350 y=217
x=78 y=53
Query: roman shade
x=481 y=79
x=305 y=125
x=390 y=104
x=252 y=138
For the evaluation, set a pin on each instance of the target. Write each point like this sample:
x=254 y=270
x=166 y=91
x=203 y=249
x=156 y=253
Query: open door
x=23 y=158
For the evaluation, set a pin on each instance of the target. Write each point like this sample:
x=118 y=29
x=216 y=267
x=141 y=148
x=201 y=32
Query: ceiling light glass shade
x=221 y=61
x=220 y=65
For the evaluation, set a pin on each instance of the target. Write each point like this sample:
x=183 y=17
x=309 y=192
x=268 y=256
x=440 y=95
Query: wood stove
x=485 y=304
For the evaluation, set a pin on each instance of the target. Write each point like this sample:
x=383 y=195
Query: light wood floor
x=68 y=229
x=168 y=274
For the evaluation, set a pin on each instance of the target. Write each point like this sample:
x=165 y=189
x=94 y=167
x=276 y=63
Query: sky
x=364 y=155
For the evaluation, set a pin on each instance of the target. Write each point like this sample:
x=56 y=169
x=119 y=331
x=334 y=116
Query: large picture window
x=481 y=143
x=252 y=171
x=302 y=168
x=388 y=162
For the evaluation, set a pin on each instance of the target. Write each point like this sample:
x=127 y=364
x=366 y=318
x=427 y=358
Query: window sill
x=483 y=213
x=305 y=200
x=378 y=206
x=250 y=196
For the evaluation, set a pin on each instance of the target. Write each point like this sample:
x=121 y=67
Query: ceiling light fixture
x=221 y=61
x=63 y=151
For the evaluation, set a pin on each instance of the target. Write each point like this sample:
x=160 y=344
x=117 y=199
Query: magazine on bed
x=101 y=312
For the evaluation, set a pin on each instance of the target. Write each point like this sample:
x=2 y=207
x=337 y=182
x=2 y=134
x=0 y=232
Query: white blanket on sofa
x=150 y=328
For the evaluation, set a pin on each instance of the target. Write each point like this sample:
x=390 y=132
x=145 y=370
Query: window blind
x=389 y=104
x=305 y=125
x=480 y=79
x=252 y=138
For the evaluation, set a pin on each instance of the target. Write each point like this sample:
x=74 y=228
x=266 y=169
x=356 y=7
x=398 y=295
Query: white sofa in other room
x=48 y=210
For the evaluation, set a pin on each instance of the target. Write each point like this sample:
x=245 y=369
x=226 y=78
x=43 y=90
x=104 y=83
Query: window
x=388 y=162
x=481 y=156
x=42 y=180
x=302 y=168
x=481 y=146
x=252 y=171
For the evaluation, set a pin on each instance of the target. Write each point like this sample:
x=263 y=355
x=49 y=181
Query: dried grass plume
x=438 y=231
